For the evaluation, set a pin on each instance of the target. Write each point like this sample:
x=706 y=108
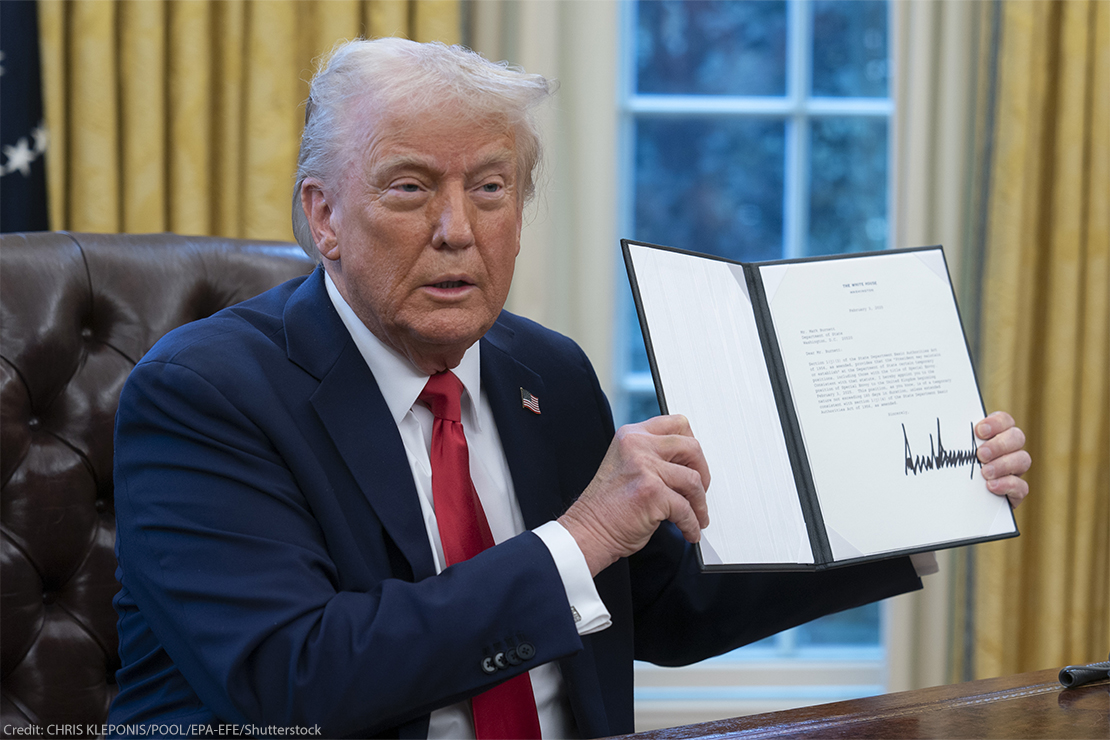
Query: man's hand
x=1002 y=456
x=654 y=471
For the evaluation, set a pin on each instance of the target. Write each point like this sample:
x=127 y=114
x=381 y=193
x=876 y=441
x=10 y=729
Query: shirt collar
x=399 y=381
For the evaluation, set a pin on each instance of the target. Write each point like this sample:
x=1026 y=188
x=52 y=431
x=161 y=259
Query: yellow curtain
x=185 y=115
x=1043 y=600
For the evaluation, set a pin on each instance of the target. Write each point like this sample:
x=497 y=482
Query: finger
x=684 y=517
x=995 y=423
x=668 y=424
x=1015 y=463
x=687 y=483
x=1010 y=486
x=670 y=438
x=1004 y=443
x=684 y=451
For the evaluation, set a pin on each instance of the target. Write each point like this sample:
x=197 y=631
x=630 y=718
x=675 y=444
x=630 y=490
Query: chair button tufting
x=70 y=295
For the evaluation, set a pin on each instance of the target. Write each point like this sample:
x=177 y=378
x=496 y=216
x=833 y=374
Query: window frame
x=783 y=677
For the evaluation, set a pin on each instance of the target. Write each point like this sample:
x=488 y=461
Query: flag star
x=42 y=137
x=19 y=157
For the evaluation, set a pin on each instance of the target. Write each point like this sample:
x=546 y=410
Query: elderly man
x=372 y=502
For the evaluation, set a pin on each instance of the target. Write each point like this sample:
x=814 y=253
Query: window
x=755 y=129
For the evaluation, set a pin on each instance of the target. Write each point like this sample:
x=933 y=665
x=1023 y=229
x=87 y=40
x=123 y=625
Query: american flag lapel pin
x=530 y=402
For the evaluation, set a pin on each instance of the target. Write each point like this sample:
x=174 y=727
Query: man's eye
x=491 y=187
x=409 y=187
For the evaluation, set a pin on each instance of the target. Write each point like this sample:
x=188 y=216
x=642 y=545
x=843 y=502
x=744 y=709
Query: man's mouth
x=448 y=284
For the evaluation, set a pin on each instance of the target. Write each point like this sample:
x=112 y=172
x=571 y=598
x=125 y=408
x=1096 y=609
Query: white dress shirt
x=400 y=384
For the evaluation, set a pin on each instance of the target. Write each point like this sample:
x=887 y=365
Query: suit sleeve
x=683 y=615
x=229 y=578
x=717 y=612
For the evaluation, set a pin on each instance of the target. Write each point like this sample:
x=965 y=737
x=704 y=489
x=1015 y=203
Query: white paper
x=886 y=398
x=712 y=370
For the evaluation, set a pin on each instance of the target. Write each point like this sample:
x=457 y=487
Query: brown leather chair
x=76 y=313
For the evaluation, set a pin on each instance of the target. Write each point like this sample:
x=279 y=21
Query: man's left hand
x=1004 y=460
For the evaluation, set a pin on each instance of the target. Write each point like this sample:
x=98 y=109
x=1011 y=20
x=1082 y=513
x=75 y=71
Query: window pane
x=638 y=363
x=711 y=185
x=694 y=47
x=850 y=48
x=641 y=405
x=859 y=626
x=848 y=185
x=718 y=185
x=708 y=185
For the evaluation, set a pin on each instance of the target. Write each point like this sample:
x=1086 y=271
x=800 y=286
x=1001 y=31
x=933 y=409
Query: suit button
x=525 y=651
x=499 y=659
x=512 y=657
x=488 y=666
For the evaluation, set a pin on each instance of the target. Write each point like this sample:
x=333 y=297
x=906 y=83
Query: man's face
x=426 y=223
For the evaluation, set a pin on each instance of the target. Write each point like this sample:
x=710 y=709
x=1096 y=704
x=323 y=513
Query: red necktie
x=508 y=710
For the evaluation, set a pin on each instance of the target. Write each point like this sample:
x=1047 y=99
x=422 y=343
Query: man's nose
x=454 y=228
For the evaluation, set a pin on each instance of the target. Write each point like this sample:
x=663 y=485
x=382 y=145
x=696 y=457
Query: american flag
x=23 y=136
x=530 y=402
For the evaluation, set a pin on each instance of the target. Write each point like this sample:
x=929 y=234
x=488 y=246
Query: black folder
x=834 y=398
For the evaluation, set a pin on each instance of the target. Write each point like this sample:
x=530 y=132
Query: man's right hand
x=654 y=471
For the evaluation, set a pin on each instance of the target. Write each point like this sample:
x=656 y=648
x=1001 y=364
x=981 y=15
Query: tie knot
x=442 y=394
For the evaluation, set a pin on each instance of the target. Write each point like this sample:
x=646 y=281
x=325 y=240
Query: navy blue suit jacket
x=275 y=567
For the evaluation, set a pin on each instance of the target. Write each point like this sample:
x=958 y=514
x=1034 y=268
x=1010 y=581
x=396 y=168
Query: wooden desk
x=1030 y=705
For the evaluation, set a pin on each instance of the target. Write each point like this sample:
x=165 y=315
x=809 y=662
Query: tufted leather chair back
x=76 y=313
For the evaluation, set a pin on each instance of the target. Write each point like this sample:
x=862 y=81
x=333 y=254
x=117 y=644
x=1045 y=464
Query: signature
x=938 y=456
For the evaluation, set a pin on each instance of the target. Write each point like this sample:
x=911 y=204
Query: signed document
x=834 y=399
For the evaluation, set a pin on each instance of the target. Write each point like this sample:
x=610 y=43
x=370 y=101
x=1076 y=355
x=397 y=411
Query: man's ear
x=321 y=213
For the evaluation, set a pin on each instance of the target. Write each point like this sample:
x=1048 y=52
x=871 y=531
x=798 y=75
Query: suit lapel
x=354 y=413
x=363 y=431
x=525 y=435
x=527 y=439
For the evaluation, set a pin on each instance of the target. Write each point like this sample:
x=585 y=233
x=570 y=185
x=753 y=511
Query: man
x=285 y=468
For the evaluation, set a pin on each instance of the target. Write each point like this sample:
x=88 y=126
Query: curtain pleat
x=142 y=45
x=434 y=19
x=185 y=115
x=388 y=18
x=985 y=54
x=188 y=83
x=329 y=28
x=55 y=82
x=1089 y=629
x=1041 y=599
x=92 y=63
x=271 y=115
x=228 y=124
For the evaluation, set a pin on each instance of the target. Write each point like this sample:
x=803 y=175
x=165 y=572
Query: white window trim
x=934 y=45
x=669 y=697
x=720 y=688
x=795 y=107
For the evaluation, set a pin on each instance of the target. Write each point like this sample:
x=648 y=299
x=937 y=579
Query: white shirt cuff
x=587 y=608
x=925 y=563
